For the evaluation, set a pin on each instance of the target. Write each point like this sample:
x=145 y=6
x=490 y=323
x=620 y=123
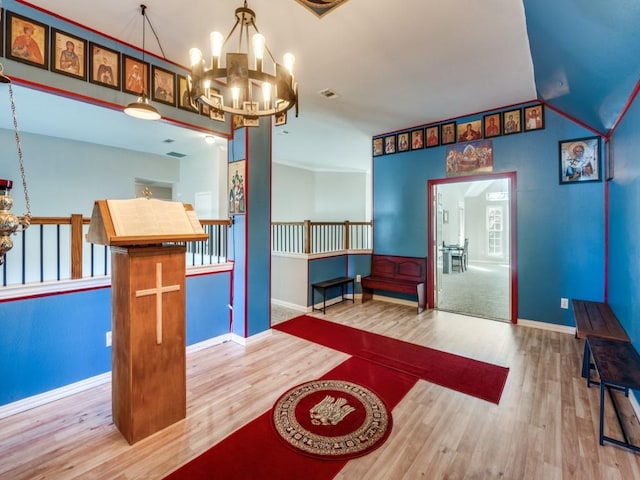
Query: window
x=494 y=231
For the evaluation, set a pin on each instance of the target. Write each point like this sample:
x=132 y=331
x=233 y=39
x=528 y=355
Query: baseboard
x=547 y=326
x=88 y=383
x=399 y=301
x=292 y=306
x=53 y=395
x=247 y=341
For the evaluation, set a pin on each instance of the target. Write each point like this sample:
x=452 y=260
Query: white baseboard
x=399 y=301
x=91 y=382
x=547 y=326
x=292 y=306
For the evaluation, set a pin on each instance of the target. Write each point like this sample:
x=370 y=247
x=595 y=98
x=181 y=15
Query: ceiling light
x=141 y=108
x=210 y=139
x=252 y=93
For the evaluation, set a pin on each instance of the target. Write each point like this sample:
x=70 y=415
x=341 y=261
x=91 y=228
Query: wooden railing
x=54 y=249
x=320 y=237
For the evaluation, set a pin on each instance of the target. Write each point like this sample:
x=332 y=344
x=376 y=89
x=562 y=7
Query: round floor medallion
x=332 y=419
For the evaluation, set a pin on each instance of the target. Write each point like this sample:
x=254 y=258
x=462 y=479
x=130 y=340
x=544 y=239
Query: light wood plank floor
x=544 y=428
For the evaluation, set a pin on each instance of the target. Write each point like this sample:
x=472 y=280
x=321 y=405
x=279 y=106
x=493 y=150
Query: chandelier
x=9 y=223
x=253 y=92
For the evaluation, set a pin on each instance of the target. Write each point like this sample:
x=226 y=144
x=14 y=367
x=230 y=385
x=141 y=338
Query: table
x=446 y=256
x=618 y=366
x=323 y=286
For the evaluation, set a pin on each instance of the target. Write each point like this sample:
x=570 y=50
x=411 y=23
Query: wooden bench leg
x=422 y=297
x=367 y=294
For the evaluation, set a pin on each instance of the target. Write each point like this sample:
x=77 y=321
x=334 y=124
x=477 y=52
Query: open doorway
x=472 y=245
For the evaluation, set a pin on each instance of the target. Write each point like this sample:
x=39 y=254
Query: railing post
x=76 y=245
x=307 y=236
x=347 y=240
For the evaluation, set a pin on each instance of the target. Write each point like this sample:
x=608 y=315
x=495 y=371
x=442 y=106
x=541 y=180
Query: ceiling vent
x=328 y=93
x=168 y=140
x=176 y=154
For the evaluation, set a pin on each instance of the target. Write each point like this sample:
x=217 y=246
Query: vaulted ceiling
x=392 y=65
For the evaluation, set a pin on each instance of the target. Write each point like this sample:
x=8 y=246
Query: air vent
x=328 y=93
x=168 y=140
x=176 y=154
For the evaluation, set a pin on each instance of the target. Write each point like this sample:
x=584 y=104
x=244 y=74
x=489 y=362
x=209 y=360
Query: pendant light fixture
x=141 y=108
x=9 y=223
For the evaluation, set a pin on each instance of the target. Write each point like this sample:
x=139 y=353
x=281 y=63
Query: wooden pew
x=397 y=274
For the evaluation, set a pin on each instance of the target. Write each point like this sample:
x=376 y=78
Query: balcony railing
x=55 y=249
x=320 y=237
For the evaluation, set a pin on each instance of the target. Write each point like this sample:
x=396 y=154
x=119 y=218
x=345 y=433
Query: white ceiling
x=394 y=65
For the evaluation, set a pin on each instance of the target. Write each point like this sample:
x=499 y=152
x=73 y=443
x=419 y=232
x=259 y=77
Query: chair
x=460 y=257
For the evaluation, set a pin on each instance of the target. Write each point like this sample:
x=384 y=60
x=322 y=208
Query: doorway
x=472 y=243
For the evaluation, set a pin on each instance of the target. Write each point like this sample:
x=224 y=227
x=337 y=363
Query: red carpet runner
x=255 y=451
x=479 y=379
x=387 y=366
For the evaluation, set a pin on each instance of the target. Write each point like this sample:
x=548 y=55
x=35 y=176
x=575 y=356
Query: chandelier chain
x=19 y=148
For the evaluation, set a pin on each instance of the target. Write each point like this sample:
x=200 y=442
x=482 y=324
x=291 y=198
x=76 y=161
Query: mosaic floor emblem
x=332 y=419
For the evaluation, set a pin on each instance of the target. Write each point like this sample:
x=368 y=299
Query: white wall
x=66 y=176
x=203 y=184
x=292 y=194
x=300 y=194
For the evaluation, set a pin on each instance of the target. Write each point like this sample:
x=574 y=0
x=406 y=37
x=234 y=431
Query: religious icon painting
x=512 y=121
x=433 y=136
x=236 y=179
x=216 y=112
x=104 y=66
x=448 y=132
x=135 y=76
x=492 y=125
x=533 y=118
x=68 y=54
x=378 y=146
x=579 y=160
x=403 y=142
x=389 y=144
x=469 y=131
x=184 y=95
x=417 y=139
x=163 y=86
x=27 y=41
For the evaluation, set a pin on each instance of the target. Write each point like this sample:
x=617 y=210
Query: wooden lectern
x=148 y=309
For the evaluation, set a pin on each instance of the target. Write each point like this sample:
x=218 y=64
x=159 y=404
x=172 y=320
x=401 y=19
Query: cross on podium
x=158 y=291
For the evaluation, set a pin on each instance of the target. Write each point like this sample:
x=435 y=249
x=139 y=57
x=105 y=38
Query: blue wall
x=51 y=341
x=624 y=232
x=560 y=227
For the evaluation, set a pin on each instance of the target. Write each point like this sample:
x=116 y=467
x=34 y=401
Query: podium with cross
x=148 y=309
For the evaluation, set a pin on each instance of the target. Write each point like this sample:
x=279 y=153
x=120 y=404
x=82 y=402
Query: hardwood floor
x=545 y=426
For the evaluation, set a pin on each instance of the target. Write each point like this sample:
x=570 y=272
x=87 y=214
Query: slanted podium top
x=142 y=221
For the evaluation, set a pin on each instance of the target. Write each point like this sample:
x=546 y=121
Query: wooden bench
x=595 y=319
x=618 y=366
x=341 y=282
x=397 y=274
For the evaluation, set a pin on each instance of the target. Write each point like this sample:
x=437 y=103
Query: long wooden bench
x=595 y=319
x=615 y=359
x=397 y=274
